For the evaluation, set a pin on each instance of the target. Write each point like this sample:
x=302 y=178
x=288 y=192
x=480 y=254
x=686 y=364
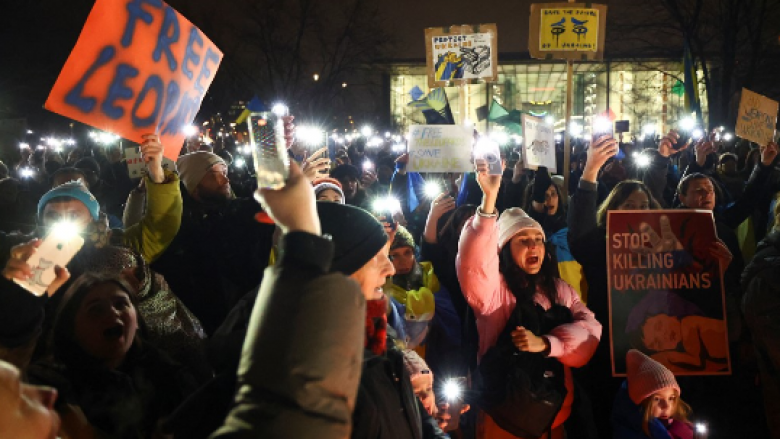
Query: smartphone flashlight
x=368 y=165
x=65 y=230
x=701 y=431
x=432 y=189
x=453 y=393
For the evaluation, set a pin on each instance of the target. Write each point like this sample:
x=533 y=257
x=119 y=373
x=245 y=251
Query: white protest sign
x=757 y=118
x=538 y=143
x=440 y=148
x=136 y=166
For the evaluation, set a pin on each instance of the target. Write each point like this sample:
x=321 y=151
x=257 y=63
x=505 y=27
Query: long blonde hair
x=681 y=411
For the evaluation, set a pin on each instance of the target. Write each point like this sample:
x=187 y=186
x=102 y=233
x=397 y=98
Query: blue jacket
x=627 y=419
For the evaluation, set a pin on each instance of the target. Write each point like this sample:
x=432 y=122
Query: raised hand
x=600 y=151
x=152 y=154
x=441 y=205
x=292 y=207
x=316 y=166
x=18 y=268
x=768 y=153
x=669 y=144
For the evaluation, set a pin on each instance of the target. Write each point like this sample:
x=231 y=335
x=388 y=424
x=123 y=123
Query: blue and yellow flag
x=254 y=106
x=692 y=101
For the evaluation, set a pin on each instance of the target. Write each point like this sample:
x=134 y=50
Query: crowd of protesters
x=346 y=303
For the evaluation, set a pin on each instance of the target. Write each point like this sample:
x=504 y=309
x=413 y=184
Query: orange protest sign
x=138 y=67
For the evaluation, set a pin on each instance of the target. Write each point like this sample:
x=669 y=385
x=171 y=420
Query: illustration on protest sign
x=461 y=54
x=666 y=295
x=538 y=143
x=567 y=31
x=440 y=148
x=757 y=118
x=138 y=67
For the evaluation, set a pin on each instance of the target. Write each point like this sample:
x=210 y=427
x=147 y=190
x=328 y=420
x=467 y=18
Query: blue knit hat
x=72 y=189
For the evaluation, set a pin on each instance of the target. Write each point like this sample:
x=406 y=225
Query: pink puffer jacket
x=483 y=285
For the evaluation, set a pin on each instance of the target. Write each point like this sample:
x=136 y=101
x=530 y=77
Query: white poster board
x=757 y=118
x=538 y=143
x=440 y=148
x=136 y=166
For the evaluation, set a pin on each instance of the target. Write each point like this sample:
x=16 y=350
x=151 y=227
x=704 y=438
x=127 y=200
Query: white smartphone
x=490 y=152
x=56 y=249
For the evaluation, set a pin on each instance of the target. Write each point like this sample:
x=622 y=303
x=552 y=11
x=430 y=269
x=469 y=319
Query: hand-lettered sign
x=757 y=118
x=538 y=143
x=138 y=67
x=573 y=31
x=666 y=294
x=136 y=166
x=461 y=54
x=440 y=148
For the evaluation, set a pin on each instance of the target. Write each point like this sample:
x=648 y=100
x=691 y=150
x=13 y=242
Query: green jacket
x=160 y=224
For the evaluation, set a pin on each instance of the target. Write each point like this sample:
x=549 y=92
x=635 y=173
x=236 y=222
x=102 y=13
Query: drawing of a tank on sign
x=539 y=147
x=476 y=60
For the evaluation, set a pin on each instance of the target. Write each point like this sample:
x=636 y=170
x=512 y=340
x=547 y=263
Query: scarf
x=376 y=326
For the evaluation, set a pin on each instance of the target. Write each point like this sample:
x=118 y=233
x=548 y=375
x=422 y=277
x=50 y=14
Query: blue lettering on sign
x=135 y=13
x=118 y=90
x=155 y=83
x=164 y=40
x=75 y=96
x=186 y=108
x=190 y=54
x=205 y=72
x=171 y=100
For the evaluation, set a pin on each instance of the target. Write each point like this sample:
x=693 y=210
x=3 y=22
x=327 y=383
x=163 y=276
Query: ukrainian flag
x=569 y=269
x=692 y=101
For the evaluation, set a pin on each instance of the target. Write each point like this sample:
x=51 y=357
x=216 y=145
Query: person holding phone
x=503 y=266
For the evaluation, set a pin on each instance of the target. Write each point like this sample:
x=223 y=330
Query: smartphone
x=491 y=153
x=602 y=126
x=453 y=393
x=55 y=250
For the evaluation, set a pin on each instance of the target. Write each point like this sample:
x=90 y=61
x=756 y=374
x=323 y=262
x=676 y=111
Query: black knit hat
x=342 y=171
x=357 y=236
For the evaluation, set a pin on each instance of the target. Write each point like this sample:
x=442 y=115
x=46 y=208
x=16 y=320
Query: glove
x=542 y=182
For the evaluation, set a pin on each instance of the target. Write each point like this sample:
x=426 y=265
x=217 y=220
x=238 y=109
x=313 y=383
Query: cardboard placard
x=440 y=148
x=136 y=166
x=538 y=143
x=757 y=118
x=574 y=31
x=138 y=67
x=666 y=295
x=461 y=54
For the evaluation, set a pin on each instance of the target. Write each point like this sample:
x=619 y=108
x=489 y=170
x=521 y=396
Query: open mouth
x=115 y=332
x=532 y=260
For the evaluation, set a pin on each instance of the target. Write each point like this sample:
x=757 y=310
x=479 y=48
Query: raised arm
x=161 y=222
x=584 y=235
x=477 y=261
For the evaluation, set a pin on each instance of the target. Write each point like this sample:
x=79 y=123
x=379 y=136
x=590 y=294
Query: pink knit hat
x=512 y=222
x=647 y=376
x=415 y=365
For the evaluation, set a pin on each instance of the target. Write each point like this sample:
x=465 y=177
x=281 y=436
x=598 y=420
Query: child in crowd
x=648 y=404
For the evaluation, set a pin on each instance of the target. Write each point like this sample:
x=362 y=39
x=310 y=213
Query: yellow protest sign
x=567 y=31
x=757 y=117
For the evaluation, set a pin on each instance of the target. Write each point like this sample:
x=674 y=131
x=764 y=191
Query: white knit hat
x=193 y=167
x=328 y=185
x=646 y=376
x=512 y=222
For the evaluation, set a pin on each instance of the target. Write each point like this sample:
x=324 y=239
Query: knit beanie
x=415 y=365
x=328 y=183
x=647 y=376
x=194 y=166
x=402 y=238
x=357 y=236
x=71 y=189
x=342 y=171
x=512 y=222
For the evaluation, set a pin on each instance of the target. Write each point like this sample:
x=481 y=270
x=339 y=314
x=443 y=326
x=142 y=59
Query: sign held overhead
x=138 y=67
